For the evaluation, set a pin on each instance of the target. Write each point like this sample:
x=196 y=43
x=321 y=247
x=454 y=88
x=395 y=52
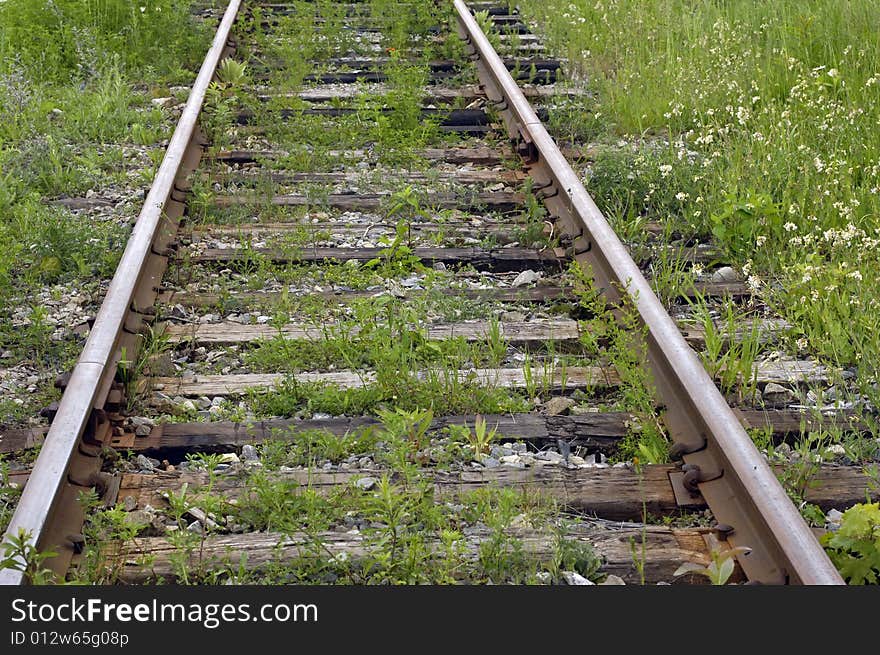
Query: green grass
x=76 y=80
x=759 y=122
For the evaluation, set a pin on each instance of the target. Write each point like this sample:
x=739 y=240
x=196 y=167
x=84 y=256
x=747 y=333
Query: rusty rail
x=49 y=512
x=748 y=501
x=721 y=461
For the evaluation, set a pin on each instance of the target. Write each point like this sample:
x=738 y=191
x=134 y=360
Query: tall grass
x=76 y=79
x=763 y=119
x=55 y=40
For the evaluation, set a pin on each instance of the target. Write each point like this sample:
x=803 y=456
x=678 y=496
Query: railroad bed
x=371 y=329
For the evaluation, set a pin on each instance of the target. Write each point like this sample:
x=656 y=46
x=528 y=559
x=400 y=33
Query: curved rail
x=48 y=511
x=721 y=460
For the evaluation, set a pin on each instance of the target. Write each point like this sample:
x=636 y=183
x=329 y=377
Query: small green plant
x=479 y=438
x=9 y=494
x=719 y=569
x=574 y=555
x=741 y=219
x=798 y=475
x=100 y=564
x=616 y=333
x=231 y=73
x=221 y=99
x=855 y=547
x=22 y=555
x=410 y=425
x=730 y=352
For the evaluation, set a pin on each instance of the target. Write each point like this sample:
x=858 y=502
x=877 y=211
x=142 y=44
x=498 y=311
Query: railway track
x=370 y=327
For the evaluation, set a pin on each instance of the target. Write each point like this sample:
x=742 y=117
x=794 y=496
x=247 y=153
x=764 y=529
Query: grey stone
x=513 y=316
x=528 y=276
x=724 y=274
x=196 y=527
x=500 y=451
x=137 y=421
x=144 y=463
x=544 y=577
x=489 y=462
x=365 y=484
x=575 y=578
x=558 y=405
x=203 y=402
x=439 y=266
x=549 y=456
x=139 y=517
x=834 y=517
x=776 y=393
x=129 y=503
x=612 y=580
x=199 y=515
x=365 y=462
x=249 y=453
x=518 y=447
x=581 y=410
x=143 y=430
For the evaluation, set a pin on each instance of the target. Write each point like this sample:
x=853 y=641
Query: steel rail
x=69 y=461
x=745 y=496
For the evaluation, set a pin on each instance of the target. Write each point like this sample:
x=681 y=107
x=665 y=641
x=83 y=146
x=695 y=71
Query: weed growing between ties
x=405 y=533
x=9 y=493
x=615 y=334
x=855 y=546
